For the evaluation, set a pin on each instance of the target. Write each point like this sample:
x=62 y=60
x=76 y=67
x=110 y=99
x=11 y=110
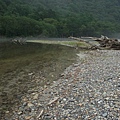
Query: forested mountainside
x=102 y=9
x=60 y=18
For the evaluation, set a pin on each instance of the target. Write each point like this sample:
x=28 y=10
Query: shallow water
x=21 y=64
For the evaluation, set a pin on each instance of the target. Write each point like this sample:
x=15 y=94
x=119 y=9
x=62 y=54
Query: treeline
x=20 y=18
x=82 y=25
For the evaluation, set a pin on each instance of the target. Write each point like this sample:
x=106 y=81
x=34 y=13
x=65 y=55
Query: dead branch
x=104 y=42
x=53 y=101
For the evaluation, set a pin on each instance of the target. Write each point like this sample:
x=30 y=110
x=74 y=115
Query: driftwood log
x=109 y=43
x=104 y=42
x=19 y=41
x=92 y=46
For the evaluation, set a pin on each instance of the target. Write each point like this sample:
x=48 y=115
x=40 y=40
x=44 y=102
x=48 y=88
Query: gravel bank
x=87 y=90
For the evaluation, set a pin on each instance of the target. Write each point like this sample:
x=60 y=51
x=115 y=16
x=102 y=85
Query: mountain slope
x=60 y=18
x=102 y=9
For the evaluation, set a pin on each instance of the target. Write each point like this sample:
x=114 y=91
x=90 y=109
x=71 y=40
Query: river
x=21 y=64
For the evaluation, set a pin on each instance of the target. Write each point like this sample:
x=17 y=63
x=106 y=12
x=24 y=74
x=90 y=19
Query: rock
x=7 y=112
x=25 y=99
x=27 y=117
x=35 y=96
x=30 y=105
x=40 y=105
x=25 y=104
x=30 y=74
x=107 y=98
x=80 y=104
x=20 y=112
x=48 y=83
x=45 y=86
x=100 y=101
x=64 y=99
x=104 y=114
x=47 y=116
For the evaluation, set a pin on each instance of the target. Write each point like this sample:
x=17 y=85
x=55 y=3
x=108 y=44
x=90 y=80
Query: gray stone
x=104 y=114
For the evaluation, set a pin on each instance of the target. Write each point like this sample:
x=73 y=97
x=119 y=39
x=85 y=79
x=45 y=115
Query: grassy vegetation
x=74 y=43
x=66 y=43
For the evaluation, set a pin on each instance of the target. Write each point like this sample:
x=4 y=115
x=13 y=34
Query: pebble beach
x=87 y=90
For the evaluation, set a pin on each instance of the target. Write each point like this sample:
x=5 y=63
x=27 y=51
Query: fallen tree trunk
x=104 y=42
x=93 y=46
x=109 y=43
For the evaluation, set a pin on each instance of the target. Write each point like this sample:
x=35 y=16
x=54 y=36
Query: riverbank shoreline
x=88 y=89
x=65 y=42
x=28 y=66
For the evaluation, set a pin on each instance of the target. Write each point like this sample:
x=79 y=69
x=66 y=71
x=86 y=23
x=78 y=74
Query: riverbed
x=25 y=67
